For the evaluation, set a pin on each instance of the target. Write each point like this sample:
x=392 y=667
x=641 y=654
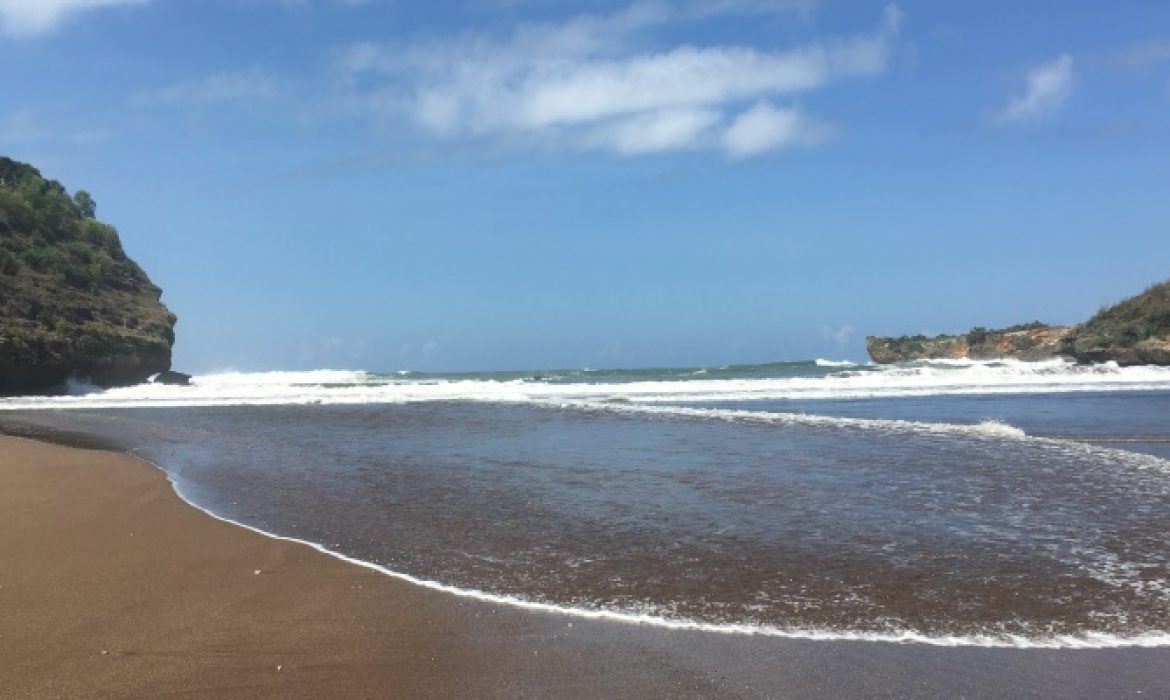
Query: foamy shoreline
x=1086 y=641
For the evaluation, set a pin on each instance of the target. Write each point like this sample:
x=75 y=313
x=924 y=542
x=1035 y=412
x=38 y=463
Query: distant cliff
x=72 y=304
x=1133 y=332
x=1033 y=341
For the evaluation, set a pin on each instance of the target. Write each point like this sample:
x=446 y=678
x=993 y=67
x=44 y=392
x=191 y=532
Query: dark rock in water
x=72 y=304
x=172 y=377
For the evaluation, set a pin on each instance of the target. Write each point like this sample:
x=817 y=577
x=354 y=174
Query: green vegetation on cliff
x=71 y=302
x=1134 y=331
x=1026 y=341
x=975 y=337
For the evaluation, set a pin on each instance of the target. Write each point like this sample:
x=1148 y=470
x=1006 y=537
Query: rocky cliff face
x=72 y=304
x=1133 y=332
x=1036 y=342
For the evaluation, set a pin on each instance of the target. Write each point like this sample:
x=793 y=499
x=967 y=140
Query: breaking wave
x=810 y=382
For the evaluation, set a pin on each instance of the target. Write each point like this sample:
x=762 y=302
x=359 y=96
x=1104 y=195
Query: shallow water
x=962 y=514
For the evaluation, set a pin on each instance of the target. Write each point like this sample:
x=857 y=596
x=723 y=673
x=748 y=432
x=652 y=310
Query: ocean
x=943 y=502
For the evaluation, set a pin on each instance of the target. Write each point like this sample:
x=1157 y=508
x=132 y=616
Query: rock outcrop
x=172 y=378
x=1031 y=342
x=1133 y=332
x=72 y=304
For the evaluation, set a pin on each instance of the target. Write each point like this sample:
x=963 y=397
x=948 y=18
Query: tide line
x=1089 y=640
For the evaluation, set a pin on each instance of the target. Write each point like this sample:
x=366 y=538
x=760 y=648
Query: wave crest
x=923 y=378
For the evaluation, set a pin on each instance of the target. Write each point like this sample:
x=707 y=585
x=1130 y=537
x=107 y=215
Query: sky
x=510 y=184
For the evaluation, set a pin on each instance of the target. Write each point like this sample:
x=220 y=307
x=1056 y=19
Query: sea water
x=954 y=502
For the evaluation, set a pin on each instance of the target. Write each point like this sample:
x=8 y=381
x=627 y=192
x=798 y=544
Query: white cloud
x=683 y=77
x=589 y=82
x=248 y=86
x=765 y=127
x=32 y=17
x=650 y=132
x=1047 y=88
x=36 y=17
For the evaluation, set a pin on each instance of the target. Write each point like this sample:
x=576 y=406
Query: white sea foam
x=932 y=378
x=316 y=377
x=987 y=428
x=997 y=429
x=834 y=363
x=79 y=387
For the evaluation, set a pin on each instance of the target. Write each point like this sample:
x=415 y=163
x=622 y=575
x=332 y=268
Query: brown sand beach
x=111 y=586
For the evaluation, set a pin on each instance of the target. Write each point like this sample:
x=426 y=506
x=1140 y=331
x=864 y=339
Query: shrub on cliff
x=46 y=230
x=1129 y=322
x=8 y=263
x=976 y=336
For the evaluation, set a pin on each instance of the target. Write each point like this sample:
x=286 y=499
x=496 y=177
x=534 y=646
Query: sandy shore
x=111 y=586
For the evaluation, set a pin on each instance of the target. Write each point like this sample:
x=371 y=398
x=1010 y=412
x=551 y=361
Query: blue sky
x=512 y=184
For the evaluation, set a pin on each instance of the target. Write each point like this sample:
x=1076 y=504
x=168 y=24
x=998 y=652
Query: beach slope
x=111 y=586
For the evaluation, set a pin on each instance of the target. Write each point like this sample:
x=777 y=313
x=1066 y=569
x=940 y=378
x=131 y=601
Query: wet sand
x=111 y=586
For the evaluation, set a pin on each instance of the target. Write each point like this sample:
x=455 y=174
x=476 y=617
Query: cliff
x=1133 y=332
x=72 y=304
x=1034 y=341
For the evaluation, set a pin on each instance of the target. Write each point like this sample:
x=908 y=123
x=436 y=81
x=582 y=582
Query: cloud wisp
x=30 y=18
x=1048 y=86
x=589 y=83
x=35 y=17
